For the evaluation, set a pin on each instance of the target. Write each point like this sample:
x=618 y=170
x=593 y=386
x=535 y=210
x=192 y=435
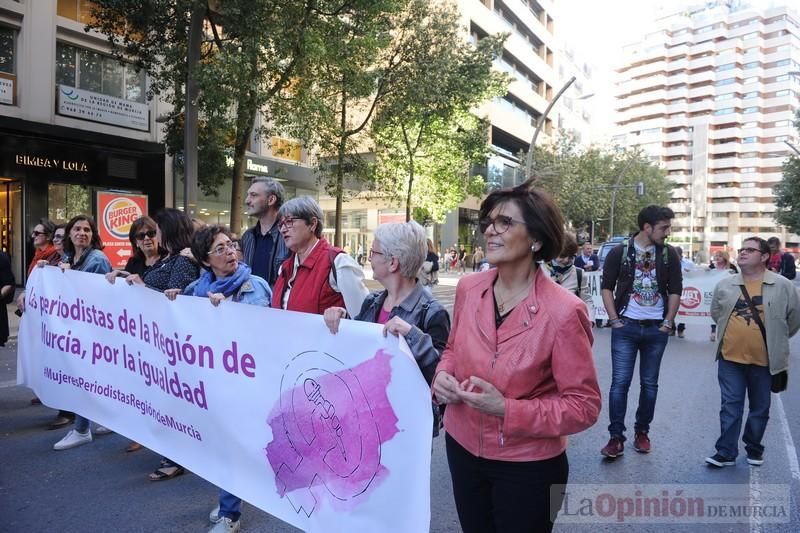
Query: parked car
x=606 y=247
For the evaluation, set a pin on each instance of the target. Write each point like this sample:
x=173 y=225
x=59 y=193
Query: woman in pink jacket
x=517 y=375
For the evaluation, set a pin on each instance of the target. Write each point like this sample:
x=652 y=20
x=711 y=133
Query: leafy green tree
x=787 y=192
x=427 y=139
x=252 y=52
x=364 y=55
x=583 y=182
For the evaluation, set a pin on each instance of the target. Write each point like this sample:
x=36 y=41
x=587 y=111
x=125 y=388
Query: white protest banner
x=695 y=308
x=326 y=432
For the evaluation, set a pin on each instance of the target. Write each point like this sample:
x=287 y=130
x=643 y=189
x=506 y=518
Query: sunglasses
x=142 y=234
x=35 y=233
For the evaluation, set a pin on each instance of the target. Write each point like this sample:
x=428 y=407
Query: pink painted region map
x=328 y=428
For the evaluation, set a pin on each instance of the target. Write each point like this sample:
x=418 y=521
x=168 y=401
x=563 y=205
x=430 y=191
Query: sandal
x=166 y=472
x=133 y=447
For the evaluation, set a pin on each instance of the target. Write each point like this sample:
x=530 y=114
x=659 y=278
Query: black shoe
x=755 y=459
x=720 y=461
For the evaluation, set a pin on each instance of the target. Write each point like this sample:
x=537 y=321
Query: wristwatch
x=667 y=324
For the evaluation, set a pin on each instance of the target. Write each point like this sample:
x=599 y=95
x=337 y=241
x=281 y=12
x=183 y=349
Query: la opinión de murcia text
x=176 y=347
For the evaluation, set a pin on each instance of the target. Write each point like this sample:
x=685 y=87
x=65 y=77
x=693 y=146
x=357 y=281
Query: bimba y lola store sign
x=71 y=165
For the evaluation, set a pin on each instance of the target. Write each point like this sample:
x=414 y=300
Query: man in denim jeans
x=642 y=285
x=748 y=356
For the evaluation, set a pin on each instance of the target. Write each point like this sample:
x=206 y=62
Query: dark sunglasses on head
x=142 y=234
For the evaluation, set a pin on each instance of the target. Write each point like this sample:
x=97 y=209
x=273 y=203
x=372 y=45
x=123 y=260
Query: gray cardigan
x=781 y=314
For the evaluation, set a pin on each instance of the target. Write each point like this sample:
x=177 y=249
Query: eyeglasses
x=501 y=223
x=35 y=233
x=750 y=250
x=223 y=248
x=142 y=234
x=287 y=221
x=373 y=252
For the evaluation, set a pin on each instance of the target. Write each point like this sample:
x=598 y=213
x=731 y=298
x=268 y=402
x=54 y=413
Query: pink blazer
x=541 y=361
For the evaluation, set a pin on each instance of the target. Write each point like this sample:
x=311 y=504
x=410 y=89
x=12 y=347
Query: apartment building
x=711 y=96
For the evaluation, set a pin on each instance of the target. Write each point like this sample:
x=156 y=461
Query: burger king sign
x=117 y=211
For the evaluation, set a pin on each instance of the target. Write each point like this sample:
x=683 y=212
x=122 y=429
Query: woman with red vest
x=316 y=275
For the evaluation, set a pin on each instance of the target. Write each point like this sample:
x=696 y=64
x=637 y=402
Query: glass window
x=65 y=64
x=7 y=38
x=750 y=110
x=76 y=67
x=725 y=82
x=750 y=139
x=113 y=74
x=726 y=66
x=725 y=96
x=751 y=94
x=724 y=111
x=91 y=71
x=752 y=64
x=751 y=79
x=65 y=201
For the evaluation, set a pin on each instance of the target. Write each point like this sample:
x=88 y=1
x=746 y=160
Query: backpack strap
x=332 y=253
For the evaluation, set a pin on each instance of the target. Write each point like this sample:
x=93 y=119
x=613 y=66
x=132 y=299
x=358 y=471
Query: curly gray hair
x=407 y=242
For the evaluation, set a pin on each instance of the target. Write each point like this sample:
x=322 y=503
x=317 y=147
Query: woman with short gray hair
x=404 y=306
x=316 y=275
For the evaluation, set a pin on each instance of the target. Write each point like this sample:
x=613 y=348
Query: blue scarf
x=208 y=282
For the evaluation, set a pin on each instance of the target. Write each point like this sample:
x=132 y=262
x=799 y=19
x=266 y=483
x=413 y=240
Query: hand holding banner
x=264 y=403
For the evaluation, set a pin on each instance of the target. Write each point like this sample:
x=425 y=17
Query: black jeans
x=505 y=496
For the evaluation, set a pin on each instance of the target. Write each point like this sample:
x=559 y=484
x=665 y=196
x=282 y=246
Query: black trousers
x=505 y=496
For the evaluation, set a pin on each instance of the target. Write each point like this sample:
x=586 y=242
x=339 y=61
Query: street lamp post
x=539 y=124
x=190 y=136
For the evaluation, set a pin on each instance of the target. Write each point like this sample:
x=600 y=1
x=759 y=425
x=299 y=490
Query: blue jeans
x=81 y=424
x=734 y=380
x=626 y=341
x=229 y=505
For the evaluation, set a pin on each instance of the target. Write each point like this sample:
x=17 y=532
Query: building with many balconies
x=711 y=96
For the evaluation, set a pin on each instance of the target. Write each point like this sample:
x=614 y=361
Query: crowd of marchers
x=512 y=375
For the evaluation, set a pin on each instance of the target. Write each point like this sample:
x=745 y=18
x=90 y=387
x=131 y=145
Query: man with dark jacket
x=587 y=259
x=780 y=262
x=263 y=247
x=642 y=285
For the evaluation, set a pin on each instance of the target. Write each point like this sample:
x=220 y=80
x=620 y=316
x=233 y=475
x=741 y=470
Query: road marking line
x=755 y=499
x=794 y=466
x=8 y=384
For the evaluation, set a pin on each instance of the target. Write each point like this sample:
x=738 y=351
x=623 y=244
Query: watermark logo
x=673 y=504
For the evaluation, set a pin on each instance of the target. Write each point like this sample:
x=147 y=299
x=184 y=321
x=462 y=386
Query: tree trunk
x=410 y=187
x=337 y=236
x=245 y=121
x=340 y=157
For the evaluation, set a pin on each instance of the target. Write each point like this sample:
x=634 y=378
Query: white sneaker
x=72 y=440
x=226 y=525
x=213 y=516
x=102 y=430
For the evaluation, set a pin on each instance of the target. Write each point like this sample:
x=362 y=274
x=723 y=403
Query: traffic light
x=640 y=189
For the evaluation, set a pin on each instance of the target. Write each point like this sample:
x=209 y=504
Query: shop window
x=65 y=201
x=76 y=67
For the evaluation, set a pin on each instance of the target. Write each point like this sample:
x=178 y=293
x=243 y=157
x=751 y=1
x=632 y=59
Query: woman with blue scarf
x=225 y=278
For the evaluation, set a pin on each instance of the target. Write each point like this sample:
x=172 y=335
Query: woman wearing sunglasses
x=45 y=251
x=146 y=252
x=146 y=249
x=517 y=374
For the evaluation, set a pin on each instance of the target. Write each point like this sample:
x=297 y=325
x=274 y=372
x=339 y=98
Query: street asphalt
x=99 y=487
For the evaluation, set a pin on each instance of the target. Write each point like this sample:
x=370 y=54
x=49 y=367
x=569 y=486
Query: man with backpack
x=642 y=285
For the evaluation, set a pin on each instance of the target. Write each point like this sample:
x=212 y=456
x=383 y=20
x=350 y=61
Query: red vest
x=311 y=292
